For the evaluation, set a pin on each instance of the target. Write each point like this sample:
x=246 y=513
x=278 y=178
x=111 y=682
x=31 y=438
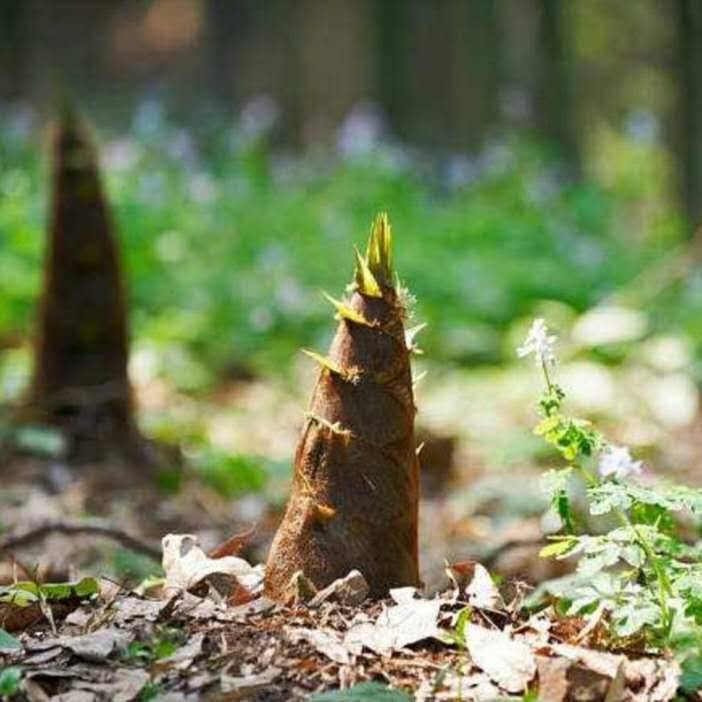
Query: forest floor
x=125 y=634
x=122 y=646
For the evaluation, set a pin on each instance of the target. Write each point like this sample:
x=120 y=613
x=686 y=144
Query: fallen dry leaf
x=655 y=680
x=619 y=678
x=475 y=687
x=460 y=574
x=407 y=622
x=615 y=693
x=131 y=607
x=553 y=678
x=482 y=592
x=326 y=641
x=509 y=662
x=98 y=645
x=124 y=686
x=299 y=590
x=350 y=590
x=598 y=661
x=241 y=687
x=186 y=566
x=234 y=545
x=101 y=683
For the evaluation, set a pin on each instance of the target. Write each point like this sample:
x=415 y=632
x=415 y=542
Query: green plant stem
x=544 y=368
x=664 y=588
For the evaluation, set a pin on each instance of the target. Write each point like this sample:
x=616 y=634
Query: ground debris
x=351 y=590
x=410 y=620
x=244 y=685
x=187 y=566
x=509 y=662
x=189 y=639
x=96 y=646
x=189 y=647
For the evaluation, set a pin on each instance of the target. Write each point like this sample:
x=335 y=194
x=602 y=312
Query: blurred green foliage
x=230 y=475
x=164 y=642
x=227 y=244
x=10 y=679
x=132 y=567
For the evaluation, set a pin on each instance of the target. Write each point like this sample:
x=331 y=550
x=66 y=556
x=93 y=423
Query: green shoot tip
x=379 y=252
x=375 y=268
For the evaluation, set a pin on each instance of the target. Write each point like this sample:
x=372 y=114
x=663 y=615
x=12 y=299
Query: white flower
x=616 y=461
x=540 y=343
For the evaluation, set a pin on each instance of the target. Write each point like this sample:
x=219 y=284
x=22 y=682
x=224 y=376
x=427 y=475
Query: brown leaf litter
x=124 y=646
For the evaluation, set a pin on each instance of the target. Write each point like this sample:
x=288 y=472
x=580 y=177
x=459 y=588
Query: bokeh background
x=536 y=157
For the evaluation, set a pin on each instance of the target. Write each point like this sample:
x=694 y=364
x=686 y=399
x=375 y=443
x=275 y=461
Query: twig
x=10 y=543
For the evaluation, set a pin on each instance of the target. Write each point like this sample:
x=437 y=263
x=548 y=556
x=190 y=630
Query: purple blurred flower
x=259 y=116
x=361 y=131
x=616 y=462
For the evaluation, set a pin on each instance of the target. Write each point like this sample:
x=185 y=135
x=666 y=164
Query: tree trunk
x=11 y=48
x=689 y=14
x=390 y=46
x=555 y=113
x=80 y=374
x=334 y=70
x=474 y=79
x=355 y=491
x=229 y=24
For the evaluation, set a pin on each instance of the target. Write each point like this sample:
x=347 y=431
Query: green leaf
x=87 y=587
x=635 y=616
x=150 y=691
x=44 y=441
x=693 y=608
x=558 y=548
x=461 y=623
x=633 y=555
x=365 y=692
x=589 y=565
x=691 y=680
x=139 y=651
x=555 y=480
x=25 y=593
x=164 y=649
x=20 y=594
x=608 y=496
x=646 y=513
x=56 y=591
x=8 y=642
x=564 y=511
x=10 y=679
x=547 y=425
x=583 y=605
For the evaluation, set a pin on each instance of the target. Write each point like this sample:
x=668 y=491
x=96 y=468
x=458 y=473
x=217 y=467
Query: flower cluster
x=616 y=462
x=540 y=343
x=569 y=436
